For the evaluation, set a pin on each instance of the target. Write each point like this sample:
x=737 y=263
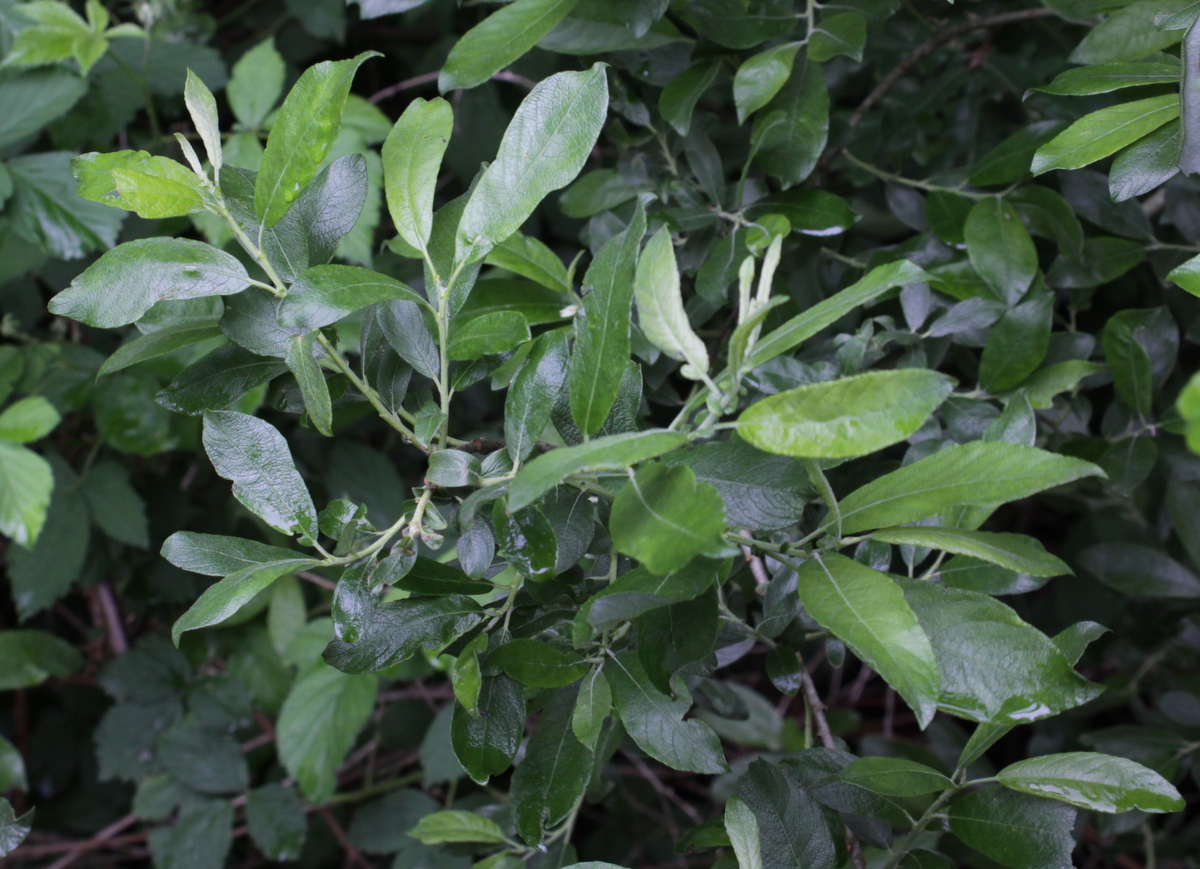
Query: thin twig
x=430 y=77
x=818 y=710
x=309 y=576
x=662 y=790
x=112 y=618
x=761 y=578
x=75 y=850
x=353 y=855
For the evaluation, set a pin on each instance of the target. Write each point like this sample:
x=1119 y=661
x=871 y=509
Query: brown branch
x=72 y=851
x=308 y=576
x=430 y=77
x=353 y=855
x=112 y=618
x=757 y=568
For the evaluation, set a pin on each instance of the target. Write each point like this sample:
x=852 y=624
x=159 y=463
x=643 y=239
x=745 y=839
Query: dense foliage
x=739 y=433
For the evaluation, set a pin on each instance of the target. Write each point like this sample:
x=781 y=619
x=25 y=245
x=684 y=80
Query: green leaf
x=406 y=329
x=318 y=724
x=866 y=610
x=12 y=767
x=842 y=33
x=28 y=420
x=1000 y=249
x=1189 y=103
x=762 y=76
x=978 y=474
x=1129 y=360
x=29 y=658
x=655 y=721
x=156 y=344
x=526 y=539
x=549 y=783
x=398 y=630
x=1010 y=160
x=531 y=398
x=41 y=572
x=311 y=380
x=526 y=256
x=543 y=149
x=602 y=328
x=222 y=600
x=1017 y=343
x=486 y=745
x=611 y=453
x=1107 y=77
x=255 y=457
x=30 y=100
x=203 y=759
x=256 y=84
x=843 y=418
x=828 y=311
x=324 y=294
x=1099 y=782
x=124 y=283
x=277 y=821
x=660 y=306
x=638 y=591
x=742 y=828
x=1187 y=276
x=202 y=106
x=533 y=663
x=115 y=507
x=412 y=157
x=500 y=39
x=1054 y=379
x=895 y=776
x=304 y=130
x=46 y=210
x=1013 y=551
x=457 y=826
x=1093 y=137
x=664 y=516
x=1129 y=34
x=201 y=837
x=1014 y=829
x=218 y=380
x=592 y=707
x=1031 y=681
x=487 y=334
x=792 y=129
x=678 y=99
x=792 y=830
x=1139 y=570
x=597 y=191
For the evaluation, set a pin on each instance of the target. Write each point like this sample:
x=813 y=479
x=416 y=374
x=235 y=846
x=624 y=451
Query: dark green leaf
x=1014 y=829
x=551 y=780
x=486 y=745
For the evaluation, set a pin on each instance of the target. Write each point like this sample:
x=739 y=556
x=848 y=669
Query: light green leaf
x=256 y=458
x=180 y=185
x=592 y=707
x=1093 y=137
x=526 y=256
x=602 y=328
x=678 y=99
x=895 y=776
x=256 y=84
x=457 y=826
x=202 y=106
x=742 y=828
x=500 y=39
x=1129 y=34
x=26 y=482
x=318 y=724
x=842 y=33
x=760 y=77
x=1032 y=680
x=866 y=610
x=1013 y=551
x=29 y=658
x=611 y=453
x=1187 y=276
x=124 y=283
x=30 y=100
x=660 y=306
x=220 y=601
x=543 y=149
x=1088 y=780
x=28 y=419
x=978 y=474
x=790 y=132
x=303 y=132
x=655 y=721
x=663 y=517
x=1107 y=77
x=412 y=157
x=1044 y=384
x=843 y=418
x=495 y=332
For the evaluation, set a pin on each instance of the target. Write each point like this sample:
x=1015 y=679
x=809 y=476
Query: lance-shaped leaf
x=318 y=724
x=895 y=776
x=1000 y=248
x=26 y=482
x=655 y=721
x=125 y=282
x=531 y=398
x=551 y=780
x=1104 y=78
x=311 y=380
x=660 y=306
x=543 y=149
x=638 y=591
x=1013 y=551
x=218 y=380
x=157 y=343
x=602 y=327
x=216 y=555
x=592 y=707
x=760 y=77
x=256 y=458
x=1093 y=137
x=324 y=294
x=498 y=40
x=439 y=828
x=1033 y=679
x=222 y=600
x=611 y=453
x=867 y=611
x=526 y=256
x=488 y=334
x=202 y=106
x=412 y=156
x=742 y=829
x=978 y=474
x=1100 y=782
x=303 y=132
x=845 y=418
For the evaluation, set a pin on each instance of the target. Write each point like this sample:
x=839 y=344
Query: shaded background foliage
x=133 y=751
